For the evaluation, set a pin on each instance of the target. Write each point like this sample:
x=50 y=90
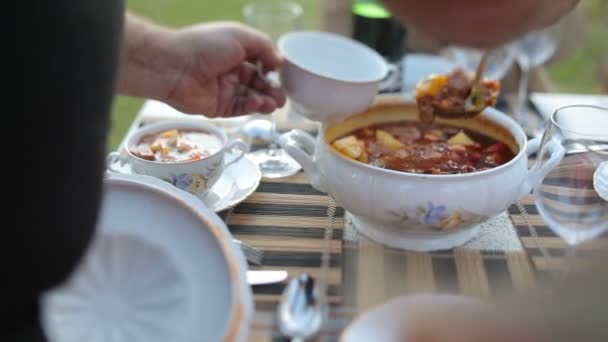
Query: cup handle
x=301 y=146
x=391 y=77
x=111 y=159
x=536 y=173
x=238 y=145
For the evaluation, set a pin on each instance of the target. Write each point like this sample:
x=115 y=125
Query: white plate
x=388 y=322
x=547 y=103
x=162 y=267
x=237 y=183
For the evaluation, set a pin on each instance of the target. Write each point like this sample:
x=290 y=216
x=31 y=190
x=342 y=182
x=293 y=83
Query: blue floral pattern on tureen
x=435 y=216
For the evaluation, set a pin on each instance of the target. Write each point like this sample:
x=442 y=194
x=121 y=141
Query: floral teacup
x=194 y=176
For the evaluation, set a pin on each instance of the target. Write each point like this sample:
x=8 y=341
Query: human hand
x=201 y=69
x=214 y=79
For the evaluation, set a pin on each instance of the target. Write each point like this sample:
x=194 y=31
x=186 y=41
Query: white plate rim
x=242 y=302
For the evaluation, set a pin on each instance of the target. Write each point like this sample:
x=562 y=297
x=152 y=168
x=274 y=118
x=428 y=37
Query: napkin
x=286 y=118
x=154 y=111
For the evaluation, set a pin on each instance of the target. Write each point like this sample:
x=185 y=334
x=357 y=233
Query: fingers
x=278 y=95
x=258 y=46
x=263 y=87
x=242 y=92
x=249 y=77
x=251 y=101
x=248 y=103
x=255 y=102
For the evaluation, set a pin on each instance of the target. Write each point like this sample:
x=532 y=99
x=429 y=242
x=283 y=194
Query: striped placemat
x=286 y=219
x=546 y=250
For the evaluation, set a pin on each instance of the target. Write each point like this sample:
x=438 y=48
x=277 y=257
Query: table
x=287 y=218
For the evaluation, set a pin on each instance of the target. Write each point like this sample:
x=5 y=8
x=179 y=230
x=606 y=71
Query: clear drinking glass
x=571 y=173
x=530 y=51
x=273 y=17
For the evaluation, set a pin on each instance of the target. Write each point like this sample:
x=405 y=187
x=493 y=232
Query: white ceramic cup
x=195 y=177
x=328 y=77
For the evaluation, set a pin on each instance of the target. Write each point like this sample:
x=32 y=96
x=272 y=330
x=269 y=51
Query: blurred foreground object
x=336 y=17
x=573 y=309
x=480 y=23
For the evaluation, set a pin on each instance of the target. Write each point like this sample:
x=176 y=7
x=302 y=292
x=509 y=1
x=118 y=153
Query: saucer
x=236 y=183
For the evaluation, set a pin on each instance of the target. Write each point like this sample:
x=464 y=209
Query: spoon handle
x=258 y=68
x=481 y=67
x=474 y=100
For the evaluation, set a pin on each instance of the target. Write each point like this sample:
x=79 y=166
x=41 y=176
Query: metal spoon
x=259 y=129
x=298 y=313
x=474 y=102
x=258 y=68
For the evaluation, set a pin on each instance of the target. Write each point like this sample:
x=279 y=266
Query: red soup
x=423 y=148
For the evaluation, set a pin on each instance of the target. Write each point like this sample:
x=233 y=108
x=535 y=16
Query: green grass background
x=576 y=74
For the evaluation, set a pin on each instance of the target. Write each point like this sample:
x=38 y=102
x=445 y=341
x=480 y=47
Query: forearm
x=145 y=63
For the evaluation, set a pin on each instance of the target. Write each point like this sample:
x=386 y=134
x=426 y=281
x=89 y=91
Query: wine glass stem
x=569 y=259
x=522 y=96
x=273 y=147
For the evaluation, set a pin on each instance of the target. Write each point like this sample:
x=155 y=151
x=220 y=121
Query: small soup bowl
x=328 y=77
x=196 y=176
x=409 y=210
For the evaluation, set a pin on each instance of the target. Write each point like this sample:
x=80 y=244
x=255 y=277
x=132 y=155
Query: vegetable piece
x=169 y=134
x=431 y=85
x=387 y=140
x=349 y=146
x=461 y=138
x=155 y=147
x=364 y=157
